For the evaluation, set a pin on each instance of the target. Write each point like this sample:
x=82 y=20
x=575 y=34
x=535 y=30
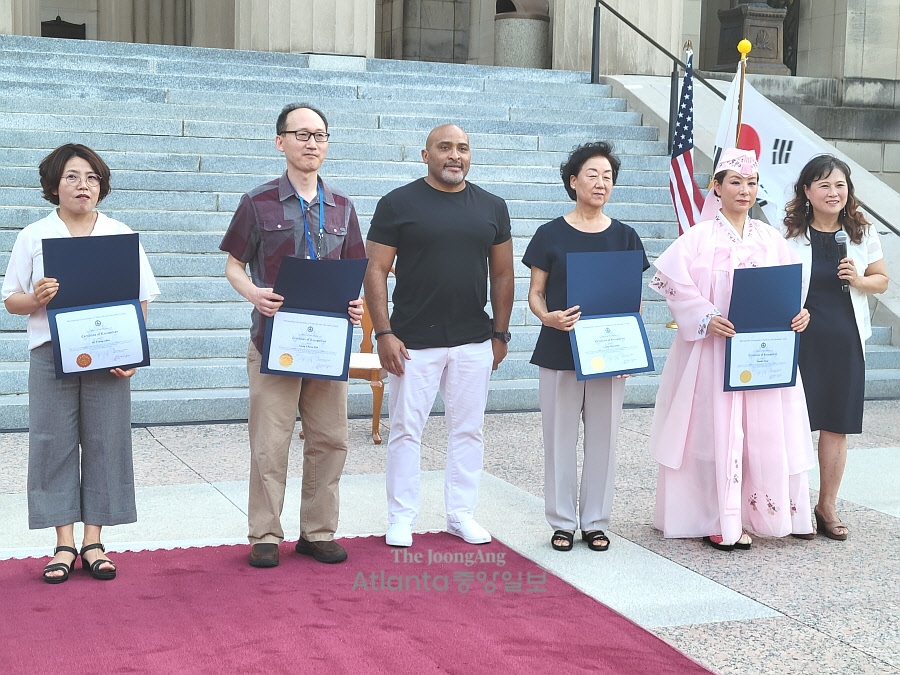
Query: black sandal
x=61 y=566
x=596 y=540
x=563 y=534
x=94 y=567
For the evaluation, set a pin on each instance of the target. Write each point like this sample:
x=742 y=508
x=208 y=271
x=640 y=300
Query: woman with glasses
x=838 y=281
x=91 y=412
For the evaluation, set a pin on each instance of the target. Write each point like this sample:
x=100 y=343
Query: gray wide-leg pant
x=565 y=401
x=93 y=412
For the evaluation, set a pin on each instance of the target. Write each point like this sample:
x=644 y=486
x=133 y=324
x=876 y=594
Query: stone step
x=541 y=188
x=222 y=58
x=378 y=140
x=605 y=110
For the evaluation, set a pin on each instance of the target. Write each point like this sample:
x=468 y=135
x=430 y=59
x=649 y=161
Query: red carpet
x=204 y=610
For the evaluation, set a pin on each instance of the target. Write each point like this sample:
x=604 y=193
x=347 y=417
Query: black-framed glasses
x=74 y=179
x=303 y=135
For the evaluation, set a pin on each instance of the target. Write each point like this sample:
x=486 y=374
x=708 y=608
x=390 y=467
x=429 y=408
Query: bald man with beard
x=444 y=237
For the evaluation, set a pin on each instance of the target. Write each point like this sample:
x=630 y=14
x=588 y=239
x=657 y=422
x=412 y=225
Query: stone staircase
x=187 y=130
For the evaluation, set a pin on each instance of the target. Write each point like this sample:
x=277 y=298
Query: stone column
x=322 y=26
x=621 y=49
x=115 y=20
x=212 y=23
x=20 y=17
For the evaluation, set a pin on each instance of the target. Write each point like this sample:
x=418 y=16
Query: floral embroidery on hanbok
x=662 y=286
x=772 y=508
x=752 y=501
x=793 y=508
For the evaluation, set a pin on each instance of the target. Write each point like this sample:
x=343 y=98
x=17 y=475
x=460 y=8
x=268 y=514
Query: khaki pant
x=274 y=401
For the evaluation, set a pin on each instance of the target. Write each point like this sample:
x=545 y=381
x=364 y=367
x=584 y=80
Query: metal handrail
x=595 y=52
x=868 y=209
x=673 y=89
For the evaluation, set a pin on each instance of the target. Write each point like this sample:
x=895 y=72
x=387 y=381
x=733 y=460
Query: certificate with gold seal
x=761 y=360
x=99 y=337
x=305 y=343
x=604 y=346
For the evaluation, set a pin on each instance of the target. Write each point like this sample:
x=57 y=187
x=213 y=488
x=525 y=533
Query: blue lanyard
x=304 y=209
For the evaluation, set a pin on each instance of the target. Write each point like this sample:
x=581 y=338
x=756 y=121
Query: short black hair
x=281 y=122
x=52 y=166
x=580 y=155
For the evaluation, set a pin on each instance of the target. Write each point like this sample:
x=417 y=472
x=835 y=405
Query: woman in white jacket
x=832 y=350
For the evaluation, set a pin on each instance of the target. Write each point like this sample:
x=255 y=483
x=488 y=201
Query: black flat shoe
x=94 y=567
x=60 y=566
x=718 y=545
x=561 y=535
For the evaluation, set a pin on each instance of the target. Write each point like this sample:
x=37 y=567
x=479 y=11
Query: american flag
x=685 y=193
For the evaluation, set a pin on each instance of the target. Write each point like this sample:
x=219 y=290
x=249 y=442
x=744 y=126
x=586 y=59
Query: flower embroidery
x=661 y=286
x=737 y=473
x=793 y=508
x=752 y=501
x=772 y=508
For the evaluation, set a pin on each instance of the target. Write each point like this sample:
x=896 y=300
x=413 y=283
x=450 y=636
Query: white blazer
x=863 y=253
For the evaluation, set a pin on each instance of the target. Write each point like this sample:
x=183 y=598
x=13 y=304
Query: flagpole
x=744 y=48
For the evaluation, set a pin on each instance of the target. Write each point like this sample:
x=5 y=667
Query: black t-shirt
x=443 y=240
x=547 y=251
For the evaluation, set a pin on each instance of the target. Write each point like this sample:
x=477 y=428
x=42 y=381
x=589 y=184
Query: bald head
x=448 y=157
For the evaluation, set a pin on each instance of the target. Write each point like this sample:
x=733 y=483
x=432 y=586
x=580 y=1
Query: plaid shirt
x=268 y=225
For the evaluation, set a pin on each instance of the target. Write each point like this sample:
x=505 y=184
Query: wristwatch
x=504 y=336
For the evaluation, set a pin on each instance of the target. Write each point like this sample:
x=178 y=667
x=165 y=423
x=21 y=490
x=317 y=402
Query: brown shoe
x=264 y=555
x=323 y=551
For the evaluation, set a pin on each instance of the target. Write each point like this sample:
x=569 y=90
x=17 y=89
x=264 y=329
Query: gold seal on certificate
x=83 y=360
x=746 y=376
x=286 y=360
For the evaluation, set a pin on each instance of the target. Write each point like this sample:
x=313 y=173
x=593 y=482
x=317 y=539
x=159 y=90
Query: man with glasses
x=447 y=236
x=297 y=214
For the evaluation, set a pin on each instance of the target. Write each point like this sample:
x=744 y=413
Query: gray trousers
x=92 y=411
x=565 y=401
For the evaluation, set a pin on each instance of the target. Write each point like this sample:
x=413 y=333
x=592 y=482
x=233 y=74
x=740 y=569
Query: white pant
x=462 y=375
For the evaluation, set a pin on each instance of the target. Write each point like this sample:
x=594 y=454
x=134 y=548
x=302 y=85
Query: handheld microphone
x=841 y=239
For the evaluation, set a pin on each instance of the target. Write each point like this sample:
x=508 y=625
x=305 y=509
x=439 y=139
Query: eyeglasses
x=74 y=179
x=303 y=136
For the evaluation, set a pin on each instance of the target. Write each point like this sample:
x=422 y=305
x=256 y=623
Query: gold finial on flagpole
x=672 y=325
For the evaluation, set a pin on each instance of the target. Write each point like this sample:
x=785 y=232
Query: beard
x=452 y=177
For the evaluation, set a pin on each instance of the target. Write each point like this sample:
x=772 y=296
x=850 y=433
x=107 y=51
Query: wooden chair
x=365 y=365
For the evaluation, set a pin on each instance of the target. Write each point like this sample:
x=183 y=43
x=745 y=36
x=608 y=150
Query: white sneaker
x=470 y=531
x=398 y=534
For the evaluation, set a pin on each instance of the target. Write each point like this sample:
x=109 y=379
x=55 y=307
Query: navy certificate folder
x=320 y=285
x=765 y=298
x=93 y=270
x=605 y=282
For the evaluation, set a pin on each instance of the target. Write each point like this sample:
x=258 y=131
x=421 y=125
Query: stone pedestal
x=522 y=41
x=764 y=27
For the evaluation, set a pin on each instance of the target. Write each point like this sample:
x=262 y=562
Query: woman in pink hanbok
x=729 y=461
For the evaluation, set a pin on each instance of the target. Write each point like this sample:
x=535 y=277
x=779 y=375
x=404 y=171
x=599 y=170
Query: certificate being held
x=763 y=354
x=96 y=320
x=610 y=345
x=100 y=338
x=304 y=343
x=310 y=335
x=609 y=339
